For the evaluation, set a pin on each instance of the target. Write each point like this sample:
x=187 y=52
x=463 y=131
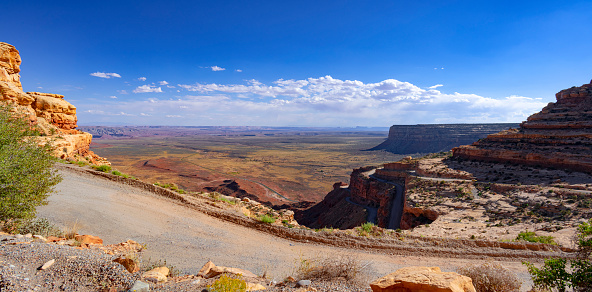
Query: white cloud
x=147 y=88
x=105 y=75
x=142 y=79
x=216 y=68
x=238 y=70
x=324 y=101
x=436 y=86
x=113 y=96
x=173 y=116
x=163 y=82
x=122 y=91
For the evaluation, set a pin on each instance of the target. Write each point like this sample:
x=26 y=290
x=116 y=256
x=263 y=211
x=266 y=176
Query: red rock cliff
x=559 y=136
x=54 y=116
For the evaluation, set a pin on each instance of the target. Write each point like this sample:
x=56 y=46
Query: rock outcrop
x=428 y=279
x=55 y=117
x=411 y=139
x=559 y=136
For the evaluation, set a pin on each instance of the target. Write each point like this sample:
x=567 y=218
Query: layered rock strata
x=55 y=117
x=411 y=139
x=559 y=136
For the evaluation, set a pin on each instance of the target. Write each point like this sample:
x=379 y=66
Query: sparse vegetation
x=103 y=168
x=491 y=277
x=331 y=267
x=532 y=237
x=39 y=226
x=266 y=219
x=26 y=175
x=150 y=264
x=557 y=275
x=228 y=283
x=71 y=230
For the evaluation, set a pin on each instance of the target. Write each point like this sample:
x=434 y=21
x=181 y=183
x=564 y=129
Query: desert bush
x=491 y=277
x=228 y=283
x=266 y=219
x=558 y=275
x=39 y=226
x=26 y=174
x=328 y=268
x=532 y=237
x=103 y=168
x=116 y=172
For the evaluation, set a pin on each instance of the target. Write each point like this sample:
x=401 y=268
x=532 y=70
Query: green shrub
x=228 y=284
x=115 y=172
x=26 y=173
x=491 y=277
x=103 y=168
x=266 y=219
x=532 y=237
x=555 y=273
x=40 y=226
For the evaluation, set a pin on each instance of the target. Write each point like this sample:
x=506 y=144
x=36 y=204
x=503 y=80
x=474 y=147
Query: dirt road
x=187 y=238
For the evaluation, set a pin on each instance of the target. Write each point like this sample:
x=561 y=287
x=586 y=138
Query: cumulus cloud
x=216 y=68
x=436 y=86
x=113 y=96
x=324 y=101
x=163 y=82
x=142 y=78
x=122 y=91
x=238 y=70
x=147 y=88
x=105 y=75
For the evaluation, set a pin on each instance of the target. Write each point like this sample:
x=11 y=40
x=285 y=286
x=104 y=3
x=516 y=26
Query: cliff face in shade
x=559 y=136
x=54 y=116
x=411 y=139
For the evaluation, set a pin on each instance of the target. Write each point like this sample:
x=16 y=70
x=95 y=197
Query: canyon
x=53 y=116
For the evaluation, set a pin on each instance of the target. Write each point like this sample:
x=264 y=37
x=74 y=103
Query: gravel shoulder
x=187 y=238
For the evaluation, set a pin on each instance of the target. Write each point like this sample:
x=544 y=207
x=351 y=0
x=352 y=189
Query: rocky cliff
x=55 y=117
x=411 y=139
x=559 y=136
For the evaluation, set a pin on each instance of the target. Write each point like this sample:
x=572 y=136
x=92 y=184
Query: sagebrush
x=491 y=277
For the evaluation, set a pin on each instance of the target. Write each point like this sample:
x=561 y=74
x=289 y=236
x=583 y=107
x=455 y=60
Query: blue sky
x=301 y=63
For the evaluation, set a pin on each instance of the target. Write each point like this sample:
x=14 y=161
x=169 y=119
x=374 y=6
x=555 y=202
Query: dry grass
x=491 y=277
x=71 y=230
x=335 y=267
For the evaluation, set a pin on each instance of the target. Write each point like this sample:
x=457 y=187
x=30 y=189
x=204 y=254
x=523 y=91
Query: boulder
x=88 y=239
x=255 y=287
x=129 y=264
x=156 y=275
x=424 y=279
x=210 y=270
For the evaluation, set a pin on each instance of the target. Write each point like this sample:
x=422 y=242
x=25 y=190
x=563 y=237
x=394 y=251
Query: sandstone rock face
x=424 y=279
x=54 y=116
x=10 y=62
x=410 y=139
x=559 y=136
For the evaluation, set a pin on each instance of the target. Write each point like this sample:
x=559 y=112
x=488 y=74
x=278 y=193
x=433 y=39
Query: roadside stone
x=303 y=283
x=54 y=239
x=47 y=265
x=140 y=286
x=19 y=236
x=129 y=264
x=428 y=279
x=40 y=237
x=255 y=287
x=29 y=235
x=88 y=239
x=156 y=275
x=210 y=270
x=206 y=269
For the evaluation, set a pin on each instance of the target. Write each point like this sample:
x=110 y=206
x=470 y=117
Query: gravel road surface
x=187 y=239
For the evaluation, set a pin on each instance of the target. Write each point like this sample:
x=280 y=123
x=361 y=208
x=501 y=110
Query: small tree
x=26 y=174
x=554 y=274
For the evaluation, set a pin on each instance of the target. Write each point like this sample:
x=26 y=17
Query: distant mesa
x=559 y=136
x=54 y=116
x=426 y=138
